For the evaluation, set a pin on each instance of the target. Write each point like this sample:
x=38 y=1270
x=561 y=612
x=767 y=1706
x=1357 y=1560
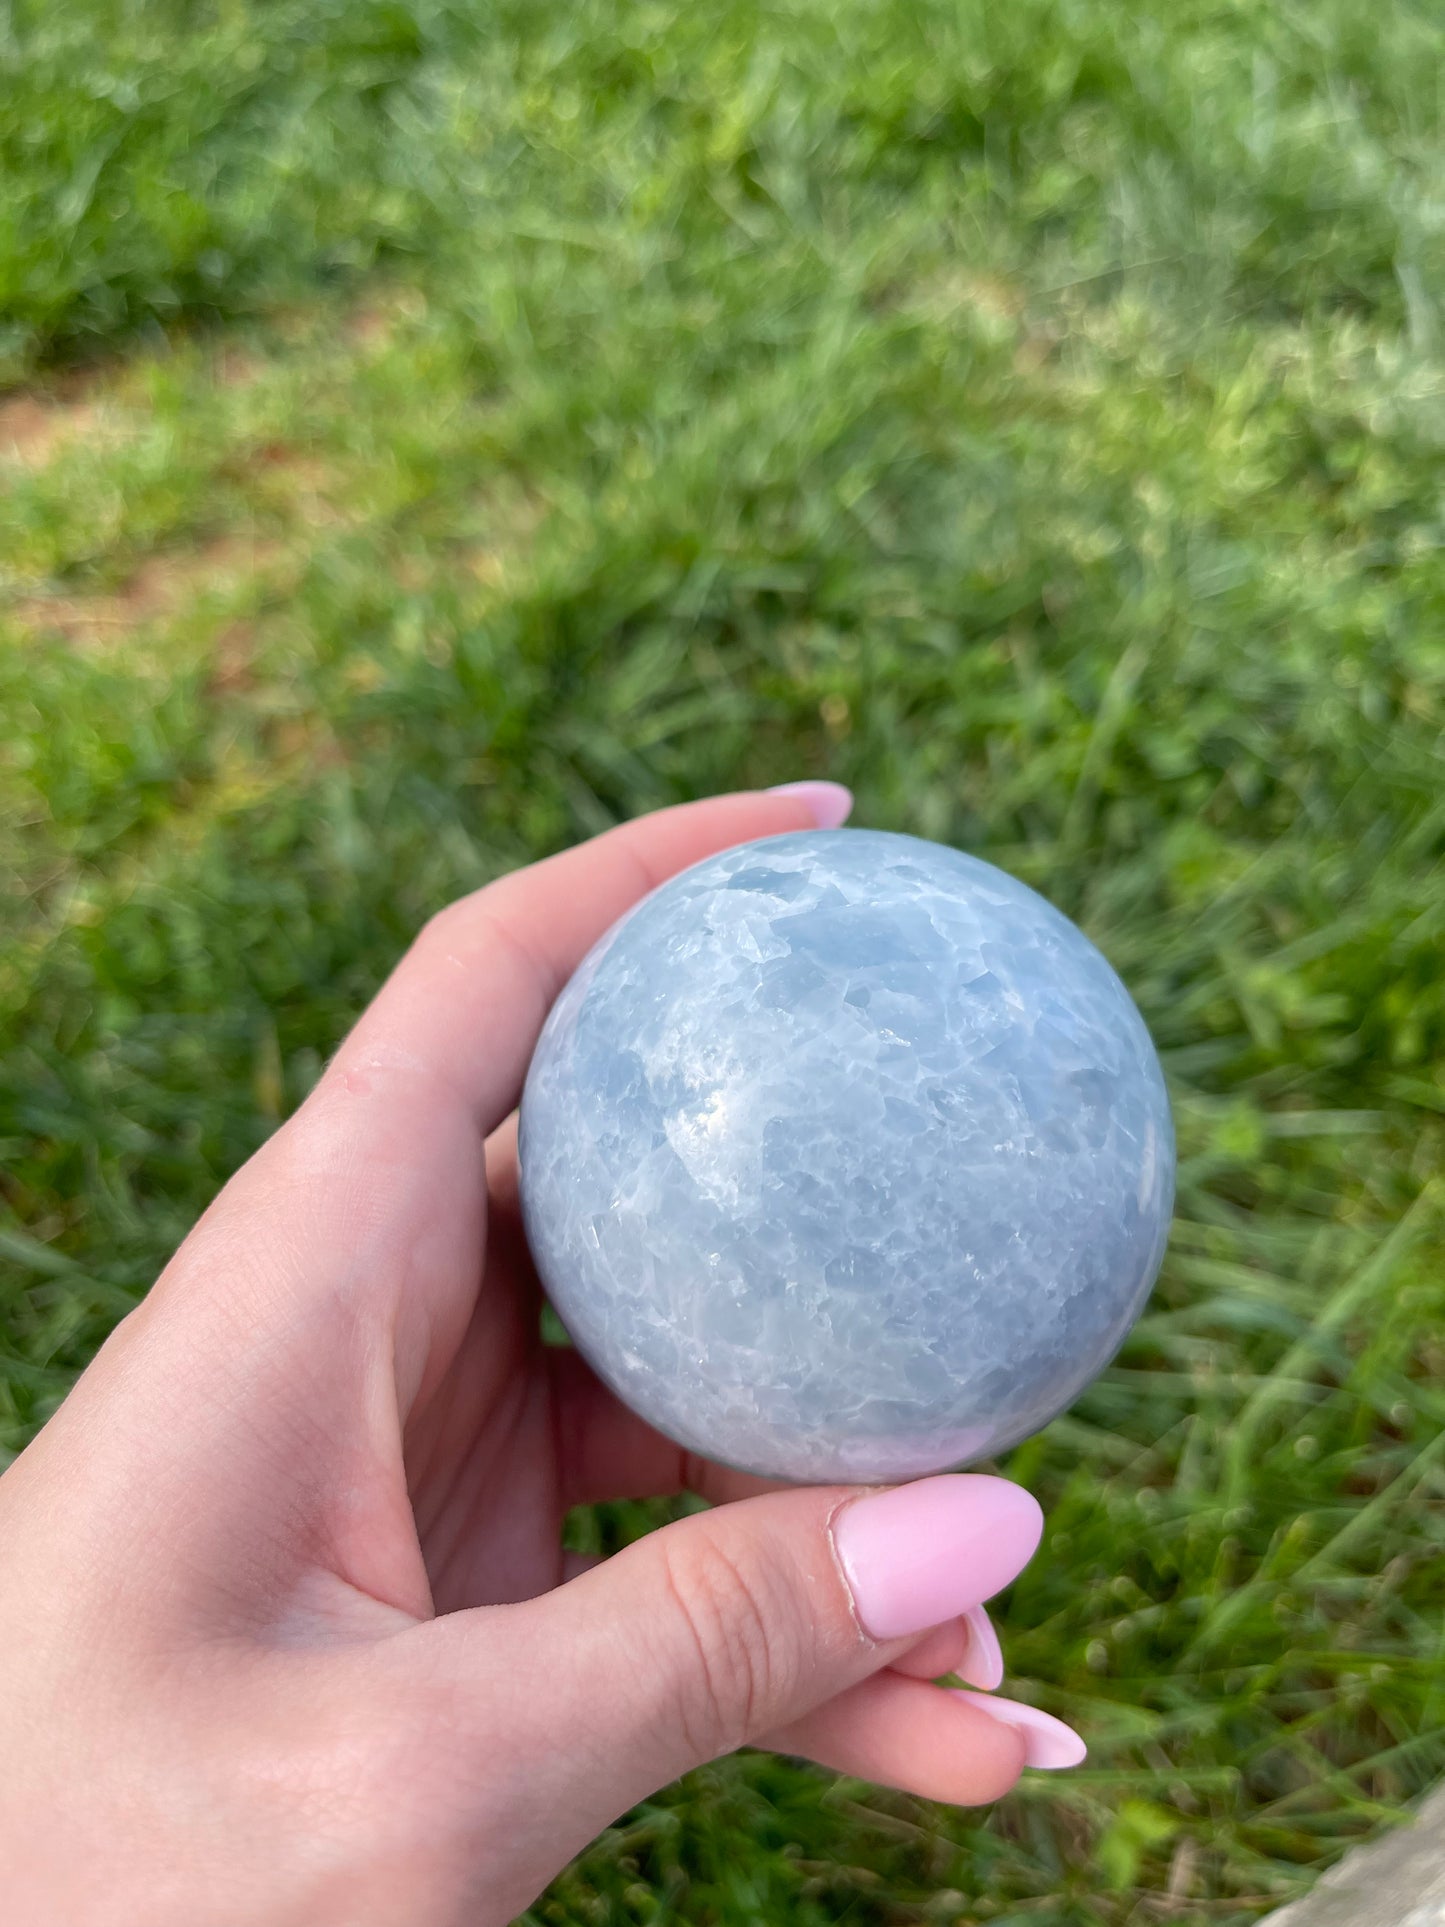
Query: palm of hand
x=484 y=1457
x=517 y=1432
x=504 y=1433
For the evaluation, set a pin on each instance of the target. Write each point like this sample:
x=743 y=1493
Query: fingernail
x=983 y=1662
x=1048 y=1743
x=829 y=803
x=922 y=1553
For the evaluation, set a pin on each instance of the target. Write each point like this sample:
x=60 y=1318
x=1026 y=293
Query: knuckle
x=734 y=1633
x=486 y=925
x=447 y=926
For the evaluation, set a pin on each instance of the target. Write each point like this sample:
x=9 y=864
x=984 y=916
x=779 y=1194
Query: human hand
x=286 y=1630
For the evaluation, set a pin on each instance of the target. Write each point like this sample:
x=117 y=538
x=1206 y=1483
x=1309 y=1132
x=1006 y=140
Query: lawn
x=433 y=432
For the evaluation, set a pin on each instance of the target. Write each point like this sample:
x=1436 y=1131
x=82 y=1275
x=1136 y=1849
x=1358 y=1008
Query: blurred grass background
x=432 y=432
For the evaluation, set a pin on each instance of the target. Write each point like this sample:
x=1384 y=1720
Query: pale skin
x=286 y=1631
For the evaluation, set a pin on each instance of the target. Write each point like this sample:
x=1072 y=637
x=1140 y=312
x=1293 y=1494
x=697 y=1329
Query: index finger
x=467 y=1002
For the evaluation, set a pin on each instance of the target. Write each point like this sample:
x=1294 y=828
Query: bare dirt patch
x=34 y=430
x=160 y=588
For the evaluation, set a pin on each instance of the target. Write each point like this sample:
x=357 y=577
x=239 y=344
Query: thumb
x=736 y=1623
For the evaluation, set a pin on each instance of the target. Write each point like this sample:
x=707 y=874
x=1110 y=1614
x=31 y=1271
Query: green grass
x=443 y=431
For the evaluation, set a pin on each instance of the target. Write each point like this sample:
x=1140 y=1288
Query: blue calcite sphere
x=845 y=1156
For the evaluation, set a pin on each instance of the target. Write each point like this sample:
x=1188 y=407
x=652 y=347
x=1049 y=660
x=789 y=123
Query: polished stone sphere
x=846 y=1156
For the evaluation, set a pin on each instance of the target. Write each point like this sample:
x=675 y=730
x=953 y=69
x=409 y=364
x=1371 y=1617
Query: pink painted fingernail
x=922 y=1553
x=1048 y=1743
x=829 y=803
x=983 y=1662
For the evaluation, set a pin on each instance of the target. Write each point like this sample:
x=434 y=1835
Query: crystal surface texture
x=846 y=1156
